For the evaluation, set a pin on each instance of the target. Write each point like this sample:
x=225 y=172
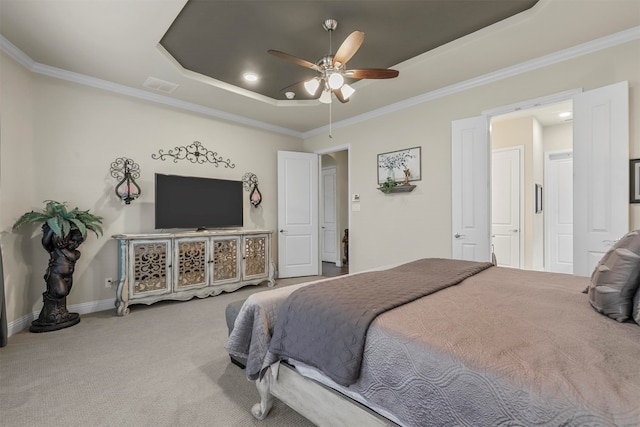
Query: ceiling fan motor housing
x=325 y=62
x=330 y=24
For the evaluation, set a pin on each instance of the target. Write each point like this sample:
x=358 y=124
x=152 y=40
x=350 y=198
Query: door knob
x=457 y=236
x=282 y=230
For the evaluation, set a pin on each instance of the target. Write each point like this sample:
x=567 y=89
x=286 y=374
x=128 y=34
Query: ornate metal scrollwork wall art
x=195 y=153
x=250 y=183
x=126 y=171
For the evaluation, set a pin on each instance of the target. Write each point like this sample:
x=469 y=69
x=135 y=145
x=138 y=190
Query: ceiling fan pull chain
x=330 y=132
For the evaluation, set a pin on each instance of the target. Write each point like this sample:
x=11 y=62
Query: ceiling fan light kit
x=347 y=91
x=335 y=80
x=332 y=68
x=311 y=86
x=325 y=98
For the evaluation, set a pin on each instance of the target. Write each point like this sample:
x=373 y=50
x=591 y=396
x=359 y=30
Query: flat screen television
x=200 y=203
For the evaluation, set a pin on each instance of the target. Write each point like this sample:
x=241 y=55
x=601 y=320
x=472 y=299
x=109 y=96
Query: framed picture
x=395 y=164
x=634 y=184
x=538 y=198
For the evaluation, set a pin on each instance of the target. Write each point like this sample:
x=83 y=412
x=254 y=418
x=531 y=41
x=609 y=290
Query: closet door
x=298 y=222
x=601 y=173
x=470 y=199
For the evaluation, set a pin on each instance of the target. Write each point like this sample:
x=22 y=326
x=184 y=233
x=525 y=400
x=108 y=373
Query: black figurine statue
x=69 y=231
x=63 y=254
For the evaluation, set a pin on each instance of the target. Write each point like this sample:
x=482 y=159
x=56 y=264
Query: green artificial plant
x=388 y=185
x=61 y=221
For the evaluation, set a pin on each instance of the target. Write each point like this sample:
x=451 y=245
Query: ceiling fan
x=332 y=68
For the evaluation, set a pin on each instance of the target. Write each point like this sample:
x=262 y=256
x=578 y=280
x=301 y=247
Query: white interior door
x=297 y=214
x=601 y=173
x=558 y=212
x=470 y=208
x=329 y=220
x=506 y=175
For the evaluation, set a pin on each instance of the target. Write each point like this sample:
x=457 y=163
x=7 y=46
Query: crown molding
x=82 y=79
x=596 y=45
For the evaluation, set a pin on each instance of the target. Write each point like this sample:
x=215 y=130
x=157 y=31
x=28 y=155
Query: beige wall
x=58 y=139
x=398 y=227
x=558 y=137
x=59 y=146
x=17 y=185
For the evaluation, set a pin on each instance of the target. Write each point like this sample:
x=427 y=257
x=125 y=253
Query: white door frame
x=532 y=103
x=526 y=105
x=556 y=98
x=330 y=150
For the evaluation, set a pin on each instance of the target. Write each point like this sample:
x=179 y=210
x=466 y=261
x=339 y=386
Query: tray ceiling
x=225 y=39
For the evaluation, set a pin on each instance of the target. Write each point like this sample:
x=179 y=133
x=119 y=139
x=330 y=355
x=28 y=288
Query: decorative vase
x=407 y=174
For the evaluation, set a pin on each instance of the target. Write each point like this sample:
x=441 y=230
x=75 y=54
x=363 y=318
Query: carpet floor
x=161 y=365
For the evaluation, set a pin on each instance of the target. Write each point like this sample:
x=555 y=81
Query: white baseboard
x=85 y=308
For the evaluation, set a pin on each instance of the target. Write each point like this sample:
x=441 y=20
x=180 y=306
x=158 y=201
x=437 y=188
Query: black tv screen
x=191 y=202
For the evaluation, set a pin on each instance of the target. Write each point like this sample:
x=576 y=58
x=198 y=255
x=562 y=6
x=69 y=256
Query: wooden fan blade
x=338 y=95
x=296 y=85
x=372 y=73
x=294 y=59
x=348 y=48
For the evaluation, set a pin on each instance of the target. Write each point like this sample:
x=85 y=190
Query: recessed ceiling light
x=250 y=77
x=565 y=114
x=290 y=95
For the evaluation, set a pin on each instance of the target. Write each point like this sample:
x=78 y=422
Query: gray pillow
x=616 y=278
x=636 y=307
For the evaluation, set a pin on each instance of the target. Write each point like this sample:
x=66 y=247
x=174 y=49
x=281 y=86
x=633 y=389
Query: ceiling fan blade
x=294 y=59
x=348 y=48
x=296 y=85
x=372 y=73
x=338 y=95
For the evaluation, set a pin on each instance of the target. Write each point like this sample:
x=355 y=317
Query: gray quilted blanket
x=325 y=325
x=505 y=347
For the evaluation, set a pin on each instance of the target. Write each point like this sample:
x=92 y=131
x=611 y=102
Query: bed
x=500 y=347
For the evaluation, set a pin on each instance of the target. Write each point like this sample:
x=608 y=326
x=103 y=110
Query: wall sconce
x=125 y=170
x=250 y=183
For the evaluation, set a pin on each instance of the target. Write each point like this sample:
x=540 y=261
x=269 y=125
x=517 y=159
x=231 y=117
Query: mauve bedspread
x=325 y=325
x=504 y=347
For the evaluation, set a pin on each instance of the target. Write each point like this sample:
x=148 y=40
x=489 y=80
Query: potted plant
x=386 y=186
x=62 y=232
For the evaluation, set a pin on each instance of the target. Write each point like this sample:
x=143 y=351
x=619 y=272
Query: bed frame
x=318 y=403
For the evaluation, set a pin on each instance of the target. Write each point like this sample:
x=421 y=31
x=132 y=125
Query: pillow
x=616 y=278
x=636 y=307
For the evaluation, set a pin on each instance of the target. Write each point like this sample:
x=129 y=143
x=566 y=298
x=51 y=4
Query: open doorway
x=334 y=213
x=532 y=188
